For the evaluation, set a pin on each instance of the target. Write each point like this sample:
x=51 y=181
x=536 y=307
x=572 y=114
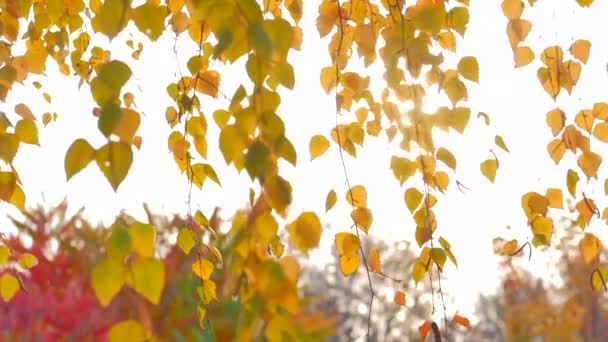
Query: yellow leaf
x=277 y=192
x=9 y=144
x=317 y=146
x=463 y=321
x=185 y=240
x=357 y=196
x=418 y=271
x=28 y=260
x=399 y=298
x=455 y=89
x=107 y=278
x=555 y=198
x=586 y=208
x=137 y=140
x=148 y=278
x=207 y=293
x=207 y=82
x=129 y=330
x=330 y=200
x=305 y=231
x=458 y=18
x=542 y=227
x=590 y=247
x=110 y=18
x=9 y=285
x=512 y=9
x=599 y=277
x=142 y=239
x=363 y=218
x=114 y=160
x=347 y=243
x=488 y=169
x=572 y=181
x=79 y=155
x=447 y=40
x=552 y=56
x=600 y=132
x=373 y=260
x=517 y=31
x=127 y=125
x=403 y=168
x=509 y=247
x=556 y=149
x=580 y=50
x=589 y=162
x=534 y=204
x=556 y=119
x=349 y=264
x=498 y=140
x=46 y=118
x=523 y=55
x=203 y=268
x=469 y=68
x=584 y=120
x=446 y=157
x=600 y=111
x=328 y=78
x=5 y=253
x=26 y=131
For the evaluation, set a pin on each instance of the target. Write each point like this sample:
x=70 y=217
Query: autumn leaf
x=590 y=247
x=107 y=278
x=555 y=198
x=9 y=285
x=185 y=240
x=114 y=160
x=317 y=146
x=523 y=55
x=489 y=168
x=203 y=268
x=357 y=196
x=463 y=321
x=580 y=50
x=363 y=218
x=512 y=9
x=556 y=120
x=305 y=232
x=373 y=260
x=27 y=260
x=143 y=238
x=423 y=330
x=589 y=162
x=399 y=298
x=446 y=157
x=498 y=140
x=130 y=330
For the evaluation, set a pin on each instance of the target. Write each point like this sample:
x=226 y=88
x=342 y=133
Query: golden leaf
x=523 y=55
x=589 y=162
x=317 y=146
x=586 y=208
x=517 y=31
x=555 y=198
x=590 y=247
x=584 y=119
x=580 y=50
x=512 y=9
x=373 y=260
x=357 y=196
x=556 y=120
x=489 y=168
x=600 y=132
x=363 y=218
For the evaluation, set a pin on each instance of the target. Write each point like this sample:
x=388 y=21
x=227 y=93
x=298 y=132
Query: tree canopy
x=387 y=60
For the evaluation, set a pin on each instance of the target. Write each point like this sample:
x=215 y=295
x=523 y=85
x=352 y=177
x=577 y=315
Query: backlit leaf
x=517 y=31
x=207 y=292
x=148 y=278
x=373 y=260
x=317 y=146
x=28 y=260
x=114 y=160
x=305 y=231
x=363 y=218
x=110 y=18
x=542 y=227
x=585 y=3
x=330 y=200
x=129 y=330
x=5 y=253
x=509 y=247
x=580 y=50
x=556 y=120
x=523 y=55
x=207 y=82
x=589 y=162
x=446 y=157
x=142 y=239
x=357 y=196
x=9 y=144
x=498 y=140
x=590 y=247
x=584 y=120
x=413 y=198
x=111 y=77
x=418 y=271
x=463 y=321
x=556 y=149
x=399 y=298
x=185 y=240
x=150 y=19
x=555 y=198
x=600 y=132
x=488 y=169
x=9 y=285
x=512 y=9
x=469 y=68
x=439 y=257
x=572 y=181
x=424 y=328
x=586 y=208
x=26 y=131
x=347 y=243
x=107 y=278
x=203 y=268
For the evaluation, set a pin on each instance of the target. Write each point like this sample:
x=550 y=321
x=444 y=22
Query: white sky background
x=513 y=98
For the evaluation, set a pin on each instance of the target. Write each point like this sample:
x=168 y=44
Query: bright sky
x=513 y=98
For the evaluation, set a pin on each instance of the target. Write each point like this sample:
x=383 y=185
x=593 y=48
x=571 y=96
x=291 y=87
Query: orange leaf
x=424 y=329
x=399 y=298
x=462 y=321
x=373 y=260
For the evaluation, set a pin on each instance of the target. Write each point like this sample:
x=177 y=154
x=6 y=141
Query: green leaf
x=109 y=118
x=114 y=160
x=469 y=68
x=79 y=155
x=111 y=18
x=489 y=168
x=257 y=160
x=148 y=278
x=142 y=239
x=26 y=131
x=107 y=278
x=413 y=198
x=498 y=140
x=185 y=240
x=150 y=19
x=119 y=243
x=9 y=285
x=111 y=77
